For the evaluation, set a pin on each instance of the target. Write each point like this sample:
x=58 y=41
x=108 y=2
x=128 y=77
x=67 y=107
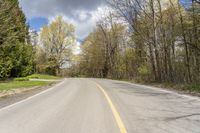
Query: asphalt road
x=102 y=106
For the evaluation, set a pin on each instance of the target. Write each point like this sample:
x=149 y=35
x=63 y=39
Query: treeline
x=16 y=58
x=144 y=40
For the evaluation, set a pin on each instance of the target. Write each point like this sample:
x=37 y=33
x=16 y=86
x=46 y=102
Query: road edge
x=160 y=89
x=30 y=97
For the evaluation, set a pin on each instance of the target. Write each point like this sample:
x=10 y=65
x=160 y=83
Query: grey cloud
x=77 y=11
x=50 y=8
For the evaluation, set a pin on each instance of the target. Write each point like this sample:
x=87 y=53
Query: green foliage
x=55 y=53
x=5 y=67
x=22 y=84
x=51 y=66
x=34 y=76
x=16 y=58
x=101 y=56
x=42 y=76
x=143 y=70
x=21 y=79
x=193 y=87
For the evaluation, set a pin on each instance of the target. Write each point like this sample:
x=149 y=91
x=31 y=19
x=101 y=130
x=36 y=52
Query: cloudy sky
x=82 y=13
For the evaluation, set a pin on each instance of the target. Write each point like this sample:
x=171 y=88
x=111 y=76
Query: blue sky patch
x=186 y=3
x=37 y=23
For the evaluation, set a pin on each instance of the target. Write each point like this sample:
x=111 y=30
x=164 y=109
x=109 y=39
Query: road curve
x=80 y=106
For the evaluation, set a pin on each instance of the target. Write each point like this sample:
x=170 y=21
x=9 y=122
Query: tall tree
x=58 y=39
x=15 y=49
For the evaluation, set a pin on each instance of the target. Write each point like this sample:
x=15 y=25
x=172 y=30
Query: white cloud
x=82 y=13
x=77 y=49
x=85 y=23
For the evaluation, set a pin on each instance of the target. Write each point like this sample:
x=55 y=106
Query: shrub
x=34 y=76
x=143 y=70
x=21 y=79
x=193 y=87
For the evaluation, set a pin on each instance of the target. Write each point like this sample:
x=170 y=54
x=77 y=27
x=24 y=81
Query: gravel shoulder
x=178 y=88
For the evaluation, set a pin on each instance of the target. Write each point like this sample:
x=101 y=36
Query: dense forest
x=144 y=40
x=16 y=57
x=141 y=40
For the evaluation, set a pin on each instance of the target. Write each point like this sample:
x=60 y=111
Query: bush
x=21 y=79
x=143 y=72
x=193 y=87
x=42 y=76
x=34 y=76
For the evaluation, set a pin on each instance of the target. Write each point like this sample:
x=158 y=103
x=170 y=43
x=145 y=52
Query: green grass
x=22 y=84
x=193 y=87
x=21 y=79
x=42 y=76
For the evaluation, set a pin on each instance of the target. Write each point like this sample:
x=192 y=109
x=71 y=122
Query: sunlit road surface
x=102 y=106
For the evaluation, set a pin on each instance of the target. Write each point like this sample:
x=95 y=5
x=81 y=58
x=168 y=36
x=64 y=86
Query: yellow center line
x=114 y=111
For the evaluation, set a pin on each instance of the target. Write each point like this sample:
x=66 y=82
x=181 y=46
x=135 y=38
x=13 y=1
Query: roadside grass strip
x=21 y=84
